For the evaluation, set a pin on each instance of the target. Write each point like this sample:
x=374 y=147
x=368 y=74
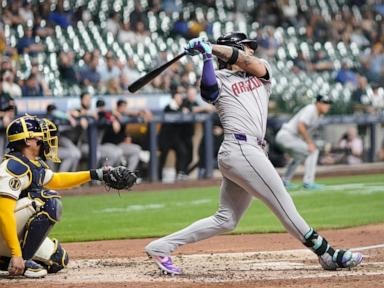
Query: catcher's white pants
x=23 y=212
x=247 y=173
x=298 y=149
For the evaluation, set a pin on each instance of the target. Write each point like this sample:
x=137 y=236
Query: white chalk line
x=378 y=246
x=361 y=248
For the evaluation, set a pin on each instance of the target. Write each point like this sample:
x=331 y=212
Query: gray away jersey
x=243 y=102
x=308 y=115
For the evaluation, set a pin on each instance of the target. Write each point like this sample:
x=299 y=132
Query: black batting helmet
x=235 y=39
x=238 y=40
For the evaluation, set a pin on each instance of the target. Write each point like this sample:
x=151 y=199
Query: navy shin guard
x=39 y=225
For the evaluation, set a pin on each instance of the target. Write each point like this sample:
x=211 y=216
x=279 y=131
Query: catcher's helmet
x=27 y=127
x=23 y=128
x=235 y=39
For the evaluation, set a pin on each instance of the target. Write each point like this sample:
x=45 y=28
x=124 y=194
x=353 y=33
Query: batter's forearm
x=222 y=52
x=248 y=63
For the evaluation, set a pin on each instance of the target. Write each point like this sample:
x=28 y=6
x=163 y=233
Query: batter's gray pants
x=298 y=149
x=247 y=173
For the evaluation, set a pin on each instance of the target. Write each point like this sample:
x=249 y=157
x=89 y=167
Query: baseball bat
x=144 y=80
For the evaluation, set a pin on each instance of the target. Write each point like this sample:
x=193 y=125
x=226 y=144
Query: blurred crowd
x=97 y=73
x=362 y=26
x=101 y=74
x=107 y=74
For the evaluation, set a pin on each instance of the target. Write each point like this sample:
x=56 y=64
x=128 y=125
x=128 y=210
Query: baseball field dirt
x=260 y=260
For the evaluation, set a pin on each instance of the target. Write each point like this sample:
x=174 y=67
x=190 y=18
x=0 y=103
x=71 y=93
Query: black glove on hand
x=115 y=177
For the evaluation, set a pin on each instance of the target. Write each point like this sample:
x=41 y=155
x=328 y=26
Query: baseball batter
x=296 y=137
x=240 y=90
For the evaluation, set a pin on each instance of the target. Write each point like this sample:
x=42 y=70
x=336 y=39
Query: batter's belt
x=245 y=138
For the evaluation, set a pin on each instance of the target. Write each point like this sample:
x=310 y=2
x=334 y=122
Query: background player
x=24 y=180
x=240 y=91
x=295 y=137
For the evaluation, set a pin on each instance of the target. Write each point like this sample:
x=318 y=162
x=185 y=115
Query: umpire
x=295 y=137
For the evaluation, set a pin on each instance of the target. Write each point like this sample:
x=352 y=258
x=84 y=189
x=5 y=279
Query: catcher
x=29 y=207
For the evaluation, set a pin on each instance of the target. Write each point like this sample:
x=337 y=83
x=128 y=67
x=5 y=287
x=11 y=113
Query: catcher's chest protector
x=37 y=174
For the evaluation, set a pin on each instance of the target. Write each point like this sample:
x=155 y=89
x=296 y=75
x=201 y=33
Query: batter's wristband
x=209 y=88
x=234 y=56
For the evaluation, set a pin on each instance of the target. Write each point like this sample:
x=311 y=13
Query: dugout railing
x=369 y=120
x=204 y=118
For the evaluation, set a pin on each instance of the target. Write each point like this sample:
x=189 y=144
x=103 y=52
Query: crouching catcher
x=29 y=204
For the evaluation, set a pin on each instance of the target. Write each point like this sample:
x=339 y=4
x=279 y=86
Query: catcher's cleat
x=340 y=259
x=165 y=265
x=34 y=270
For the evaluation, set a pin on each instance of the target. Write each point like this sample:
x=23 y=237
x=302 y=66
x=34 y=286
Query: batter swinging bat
x=144 y=80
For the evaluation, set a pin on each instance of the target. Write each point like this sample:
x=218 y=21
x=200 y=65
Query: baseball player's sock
x=34 y=270
x=166 y=265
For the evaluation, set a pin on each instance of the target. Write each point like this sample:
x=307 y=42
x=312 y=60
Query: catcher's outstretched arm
x=65 y=180
x=114 y=177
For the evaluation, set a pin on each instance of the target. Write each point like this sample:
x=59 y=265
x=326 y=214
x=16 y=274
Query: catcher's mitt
x=115 y=177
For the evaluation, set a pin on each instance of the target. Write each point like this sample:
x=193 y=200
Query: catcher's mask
x=235 y=39
x=30 y=127
x=51 y=139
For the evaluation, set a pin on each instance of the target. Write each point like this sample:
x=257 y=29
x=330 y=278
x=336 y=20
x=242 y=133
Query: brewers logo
x=15 y=184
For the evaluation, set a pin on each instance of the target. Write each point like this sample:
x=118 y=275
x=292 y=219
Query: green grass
x=346 y=201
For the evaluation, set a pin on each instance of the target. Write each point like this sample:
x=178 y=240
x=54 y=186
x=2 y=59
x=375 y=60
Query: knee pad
x=50 y=202
x=53 y=207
